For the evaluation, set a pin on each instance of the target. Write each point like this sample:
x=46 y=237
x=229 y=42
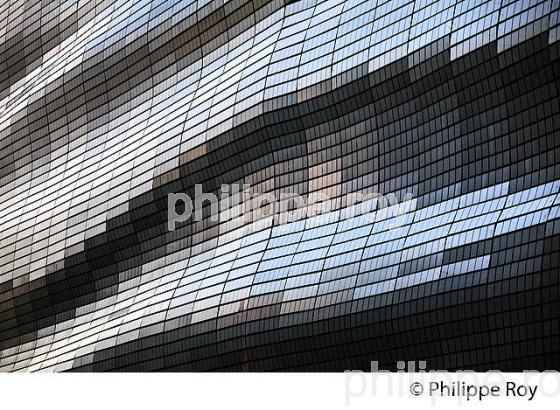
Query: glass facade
x=107 y=107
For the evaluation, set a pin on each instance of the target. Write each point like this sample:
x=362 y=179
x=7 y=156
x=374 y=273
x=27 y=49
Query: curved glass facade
x=448 y=108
